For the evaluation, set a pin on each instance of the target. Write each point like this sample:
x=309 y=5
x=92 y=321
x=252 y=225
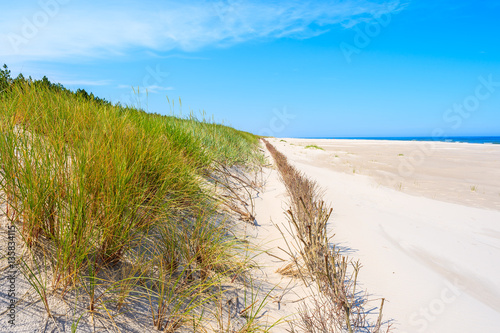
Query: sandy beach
x=428 y=239
x=460 y=173
x=429 y=246
x=158 y=171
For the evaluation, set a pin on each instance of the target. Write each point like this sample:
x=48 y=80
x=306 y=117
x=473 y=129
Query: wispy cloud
x=174 y=55
x=107 y=29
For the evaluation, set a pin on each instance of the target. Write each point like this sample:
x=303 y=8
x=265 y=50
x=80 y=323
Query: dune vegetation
x=338 y=305
x=116 y=205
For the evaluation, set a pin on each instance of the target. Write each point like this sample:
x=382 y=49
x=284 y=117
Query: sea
x=467 y=139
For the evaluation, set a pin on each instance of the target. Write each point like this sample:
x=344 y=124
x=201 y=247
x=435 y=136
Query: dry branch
x=338 y=307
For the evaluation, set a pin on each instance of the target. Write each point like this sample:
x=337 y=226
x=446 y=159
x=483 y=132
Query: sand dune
x=431 y=248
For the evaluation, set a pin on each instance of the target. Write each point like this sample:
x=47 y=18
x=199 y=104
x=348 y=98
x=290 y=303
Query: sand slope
x=277 y=298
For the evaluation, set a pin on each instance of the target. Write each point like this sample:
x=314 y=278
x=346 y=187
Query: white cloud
x=111 y=28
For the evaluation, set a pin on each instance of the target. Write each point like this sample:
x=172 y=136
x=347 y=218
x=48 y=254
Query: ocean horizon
x=463 y=139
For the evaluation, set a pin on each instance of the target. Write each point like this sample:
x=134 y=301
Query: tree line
x=7 y=83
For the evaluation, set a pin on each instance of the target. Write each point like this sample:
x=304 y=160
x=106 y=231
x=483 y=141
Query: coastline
x=461 y=173
x=432 y=260
x=452 y=139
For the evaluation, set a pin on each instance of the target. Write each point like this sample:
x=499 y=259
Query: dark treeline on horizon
x=7 y=83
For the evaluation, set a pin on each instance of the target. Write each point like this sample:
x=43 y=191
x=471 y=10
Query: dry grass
x=338 y=306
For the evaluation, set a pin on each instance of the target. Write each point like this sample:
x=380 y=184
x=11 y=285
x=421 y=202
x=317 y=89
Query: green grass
x=95 y=184
x=313 y=147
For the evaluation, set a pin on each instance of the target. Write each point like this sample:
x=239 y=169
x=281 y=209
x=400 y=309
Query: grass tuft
x=313 y=147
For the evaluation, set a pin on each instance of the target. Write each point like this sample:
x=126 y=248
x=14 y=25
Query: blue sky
x=281 y=68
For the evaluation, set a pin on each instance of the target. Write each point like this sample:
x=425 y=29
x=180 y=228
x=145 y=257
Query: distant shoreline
x=447 y=171
x=422 y=218
x=458 y=139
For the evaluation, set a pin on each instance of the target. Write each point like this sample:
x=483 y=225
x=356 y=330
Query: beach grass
x=93 y=186
x=313 y=147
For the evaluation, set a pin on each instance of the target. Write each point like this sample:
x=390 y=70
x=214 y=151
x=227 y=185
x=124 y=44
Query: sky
x=350 y=68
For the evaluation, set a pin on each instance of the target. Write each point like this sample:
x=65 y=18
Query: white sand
x=286 y=294
x=436 y=262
